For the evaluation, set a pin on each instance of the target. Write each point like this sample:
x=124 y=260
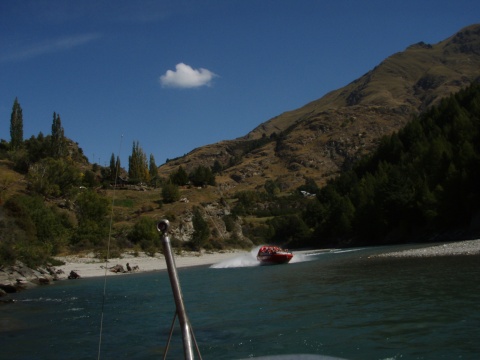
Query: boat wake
x=245 y=260
x=302 y=257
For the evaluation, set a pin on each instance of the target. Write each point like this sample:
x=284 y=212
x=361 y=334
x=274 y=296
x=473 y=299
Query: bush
x=145 y=233
x=201 y=230
x=33 y=255
x=170 y=193
x=7 y=254
x=55 y=262
x=229 y=221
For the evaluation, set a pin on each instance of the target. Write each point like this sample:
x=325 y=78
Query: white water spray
x=245 y=260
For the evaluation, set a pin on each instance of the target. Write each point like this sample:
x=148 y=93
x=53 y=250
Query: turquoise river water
x=341 y=304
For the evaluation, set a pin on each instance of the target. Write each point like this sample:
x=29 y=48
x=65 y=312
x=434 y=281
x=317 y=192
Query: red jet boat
x=271 y=255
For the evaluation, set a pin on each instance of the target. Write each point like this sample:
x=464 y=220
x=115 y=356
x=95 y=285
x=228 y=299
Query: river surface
x=339 y=304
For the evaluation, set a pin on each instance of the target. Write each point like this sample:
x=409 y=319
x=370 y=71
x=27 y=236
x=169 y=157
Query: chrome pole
x=162 y=227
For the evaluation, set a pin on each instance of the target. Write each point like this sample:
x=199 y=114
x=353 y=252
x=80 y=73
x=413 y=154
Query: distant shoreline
x=89 y=266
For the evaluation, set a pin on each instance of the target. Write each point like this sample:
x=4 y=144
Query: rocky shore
x=20 y=277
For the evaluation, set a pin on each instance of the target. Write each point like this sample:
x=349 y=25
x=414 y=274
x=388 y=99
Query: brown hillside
x=323 y=136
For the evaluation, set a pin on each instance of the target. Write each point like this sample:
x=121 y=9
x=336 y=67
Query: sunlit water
x=339 y=304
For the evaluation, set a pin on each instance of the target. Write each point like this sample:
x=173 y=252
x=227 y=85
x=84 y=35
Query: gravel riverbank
x=465 y=247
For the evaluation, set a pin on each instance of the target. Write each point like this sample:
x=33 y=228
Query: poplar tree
x=113 y=172
x=16 y=126
x=117 y=166
x=58 y=143
x=153 y=172
x=137 y=164
x=114 y=167
x=152 y=169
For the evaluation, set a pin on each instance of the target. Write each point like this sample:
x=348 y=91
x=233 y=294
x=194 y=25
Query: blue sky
x=177 y=75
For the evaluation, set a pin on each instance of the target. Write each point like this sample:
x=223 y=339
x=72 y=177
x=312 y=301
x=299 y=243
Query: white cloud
x=49 y=46
x=185 y=76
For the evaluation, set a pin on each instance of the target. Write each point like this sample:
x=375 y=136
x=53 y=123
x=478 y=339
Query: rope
x=108 y=251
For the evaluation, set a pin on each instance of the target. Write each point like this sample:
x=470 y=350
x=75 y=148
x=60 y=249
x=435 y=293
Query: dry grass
x=11 y=182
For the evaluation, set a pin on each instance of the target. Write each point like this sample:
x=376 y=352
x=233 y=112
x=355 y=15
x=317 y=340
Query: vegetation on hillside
x=421 y=183
x=62 y=204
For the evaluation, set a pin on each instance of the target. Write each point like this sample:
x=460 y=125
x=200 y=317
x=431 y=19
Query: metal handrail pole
x=162 y=227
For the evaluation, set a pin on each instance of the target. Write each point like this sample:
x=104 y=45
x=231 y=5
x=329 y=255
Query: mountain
x=327 y=135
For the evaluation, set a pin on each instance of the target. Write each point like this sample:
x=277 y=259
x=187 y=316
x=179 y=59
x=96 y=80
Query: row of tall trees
x=35 y=229
x=24 y=153
x=139 y=169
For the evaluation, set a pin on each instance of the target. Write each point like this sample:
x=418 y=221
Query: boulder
x=117 y=269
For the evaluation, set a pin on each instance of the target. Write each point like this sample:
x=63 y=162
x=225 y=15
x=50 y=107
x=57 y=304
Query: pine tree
x=16 y=126
x=202 y=176
x=180 y=177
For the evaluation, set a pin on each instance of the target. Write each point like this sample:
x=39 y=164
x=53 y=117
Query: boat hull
x=274 y=259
